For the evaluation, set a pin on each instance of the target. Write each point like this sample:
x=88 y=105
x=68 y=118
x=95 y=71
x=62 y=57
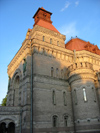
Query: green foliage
x=4 y=101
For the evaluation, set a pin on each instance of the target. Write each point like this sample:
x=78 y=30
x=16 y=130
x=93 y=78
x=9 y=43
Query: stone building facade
x=53 y=87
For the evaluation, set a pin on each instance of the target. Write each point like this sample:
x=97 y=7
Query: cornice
x=81 y=70
x=47 y=31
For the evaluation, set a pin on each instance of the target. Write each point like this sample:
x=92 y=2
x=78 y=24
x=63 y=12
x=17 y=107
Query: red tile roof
x=78 y=45
x=43 y=18
x=47 y=25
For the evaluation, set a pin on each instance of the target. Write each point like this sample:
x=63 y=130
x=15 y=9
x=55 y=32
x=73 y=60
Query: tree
x=4 y=101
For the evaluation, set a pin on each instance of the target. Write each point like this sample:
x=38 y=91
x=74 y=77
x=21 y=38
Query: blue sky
x=71 y=17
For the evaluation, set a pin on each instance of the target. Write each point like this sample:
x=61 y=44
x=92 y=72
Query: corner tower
x=82 y=79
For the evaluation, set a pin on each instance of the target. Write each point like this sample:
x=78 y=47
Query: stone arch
x=17 y=72
x=67 y=119
x=3 y=128
x=7 y=126
x=11 y=128
x=7 y=119
x=55 y=120
x=16 y=80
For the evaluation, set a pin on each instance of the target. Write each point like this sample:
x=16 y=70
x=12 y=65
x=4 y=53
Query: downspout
x=31 y=129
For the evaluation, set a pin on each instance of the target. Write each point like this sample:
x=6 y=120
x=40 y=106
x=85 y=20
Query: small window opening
x=66 y=120
x=57 y=72
x=94 y=94
x=62 y=73
x=65 y=98
x=75 y=97
x=52 y=71
x=50 y=40
x=84 y=94
x=58 y=43
x=43 y=38
x=54 y=121
x=54 y=97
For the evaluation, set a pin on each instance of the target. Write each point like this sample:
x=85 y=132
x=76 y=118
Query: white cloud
x=76 y=3
x=66 y=6
x=69 y=30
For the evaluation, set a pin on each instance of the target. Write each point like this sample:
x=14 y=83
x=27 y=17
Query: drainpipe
x=31 y=129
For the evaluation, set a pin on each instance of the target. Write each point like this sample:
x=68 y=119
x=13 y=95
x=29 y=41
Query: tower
x=53 y=86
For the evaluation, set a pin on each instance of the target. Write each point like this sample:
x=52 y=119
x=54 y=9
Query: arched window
x=62 y=74
x=24 y=65
x=3 y=127
x=11 y=128
x=55 y=121
x=43 y=38
x=65 y=98
x=16 y=92
x=94 y=94
x=54 y=97
x=66 y=120
x=75 y=95
x=57 y=43
x=52 y=71
x=84 y=94
x=57 y=72
x=50 y=40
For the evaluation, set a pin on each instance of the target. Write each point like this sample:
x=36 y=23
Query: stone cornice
x=10 y=109
x=47 y=31
x=81 y=77
x=81 y=70
x=23 y=52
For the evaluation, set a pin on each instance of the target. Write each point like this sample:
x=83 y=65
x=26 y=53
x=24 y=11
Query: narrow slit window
x=84 y=94
x=52 y=71
x=75 y=95
x=58 y=43
x=43 y=38
x=54 y=98
x=57 y=72
x=62 y=73
x=94 y=94
x=65 y=98
x=50 y=40
x=66 y=121
x=55 y=121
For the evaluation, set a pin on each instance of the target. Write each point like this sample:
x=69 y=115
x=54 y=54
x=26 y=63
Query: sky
x=72 y=18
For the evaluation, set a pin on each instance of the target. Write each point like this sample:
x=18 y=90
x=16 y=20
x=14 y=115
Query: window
x=52 y=71
x=24 y=65
x=66 y=120
x=50 y=40
x=84 y=95
x=62 y=73
x=54 y=97
x=75 y=97
x=65 y=98
x=55 y=121
x=58 y=43
x=43 y=38
x=57 y=72
x=94 y=94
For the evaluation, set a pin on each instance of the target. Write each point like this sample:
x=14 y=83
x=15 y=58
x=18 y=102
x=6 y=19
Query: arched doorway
x=3 y=128
x=11 y=128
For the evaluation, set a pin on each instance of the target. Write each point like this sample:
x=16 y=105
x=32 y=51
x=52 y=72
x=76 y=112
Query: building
x=53 y=87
